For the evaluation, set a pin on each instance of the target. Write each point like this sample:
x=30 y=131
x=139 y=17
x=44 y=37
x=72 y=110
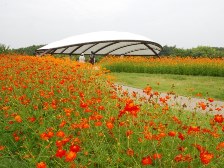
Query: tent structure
x=104 y=43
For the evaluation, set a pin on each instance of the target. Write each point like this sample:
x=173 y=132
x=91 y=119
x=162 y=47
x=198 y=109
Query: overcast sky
x=184 y=23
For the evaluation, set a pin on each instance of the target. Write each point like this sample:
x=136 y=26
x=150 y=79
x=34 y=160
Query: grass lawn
x=183 y=85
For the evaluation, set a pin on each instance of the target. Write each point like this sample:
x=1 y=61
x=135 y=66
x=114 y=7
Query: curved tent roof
x=104 y=43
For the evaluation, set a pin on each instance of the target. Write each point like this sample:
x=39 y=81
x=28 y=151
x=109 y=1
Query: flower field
x=60 y=113
x=166 y=65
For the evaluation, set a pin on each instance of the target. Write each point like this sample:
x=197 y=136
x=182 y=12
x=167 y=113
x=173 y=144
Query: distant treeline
x=200 y=51
x=24 y=51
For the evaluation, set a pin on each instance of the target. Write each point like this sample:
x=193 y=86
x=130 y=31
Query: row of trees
x=24 y=51
x=200 y=51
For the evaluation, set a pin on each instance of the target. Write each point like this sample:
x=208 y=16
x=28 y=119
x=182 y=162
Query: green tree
x=4 y=49
x=200 y=51
x=27 y=50
x=204 y=51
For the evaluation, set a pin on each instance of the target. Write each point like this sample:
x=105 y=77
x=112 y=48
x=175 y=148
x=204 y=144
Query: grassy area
x=183 y=85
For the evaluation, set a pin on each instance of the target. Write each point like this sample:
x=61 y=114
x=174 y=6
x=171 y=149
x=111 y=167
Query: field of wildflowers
x=166 y=65
x=60 y=113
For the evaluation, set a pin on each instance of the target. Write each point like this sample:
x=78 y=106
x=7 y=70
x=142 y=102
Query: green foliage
x=27 y=50
x=4 y=49
x=204 y=51
x=30 y=50
x=200 y=51
x=184 y=85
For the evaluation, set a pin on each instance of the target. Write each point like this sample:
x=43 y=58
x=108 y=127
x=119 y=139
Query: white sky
x=184 y=23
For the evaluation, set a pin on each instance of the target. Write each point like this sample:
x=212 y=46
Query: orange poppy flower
x=220 y=146
x=147 y=90
x=60 y=134
x=110 y=125
x=183 y=158
x=44 y=136
x=202 y=105
x=70 y=156
x=98 y=123
x=62 y=124
x=41 y=165
x=130 y=152
x=18 y=118
x=2 y=147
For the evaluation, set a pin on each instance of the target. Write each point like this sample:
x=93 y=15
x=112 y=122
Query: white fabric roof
x=104 y=43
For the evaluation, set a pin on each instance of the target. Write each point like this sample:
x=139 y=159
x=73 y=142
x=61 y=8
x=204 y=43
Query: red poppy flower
x=218 y=118
x=206 y=157
x=193 y=129
x=60 y=153
x=129 y=132
x=83 y=105
x=210 y=99
x=172 y=133
x=75 y=148
x=181 y=136
x=59 y=143
x=178 y=158
x=157 y=156
x=147 y=160
x=65 y=140
x=31 y=119
x=199 y=148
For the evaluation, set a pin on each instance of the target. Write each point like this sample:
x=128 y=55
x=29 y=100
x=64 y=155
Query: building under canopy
x=104 y=43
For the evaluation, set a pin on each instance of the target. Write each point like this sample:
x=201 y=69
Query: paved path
x=190 y=104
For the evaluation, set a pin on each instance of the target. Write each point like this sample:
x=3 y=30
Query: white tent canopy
x=104 y=43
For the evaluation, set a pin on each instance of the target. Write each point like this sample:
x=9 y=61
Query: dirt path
x=190 y=104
